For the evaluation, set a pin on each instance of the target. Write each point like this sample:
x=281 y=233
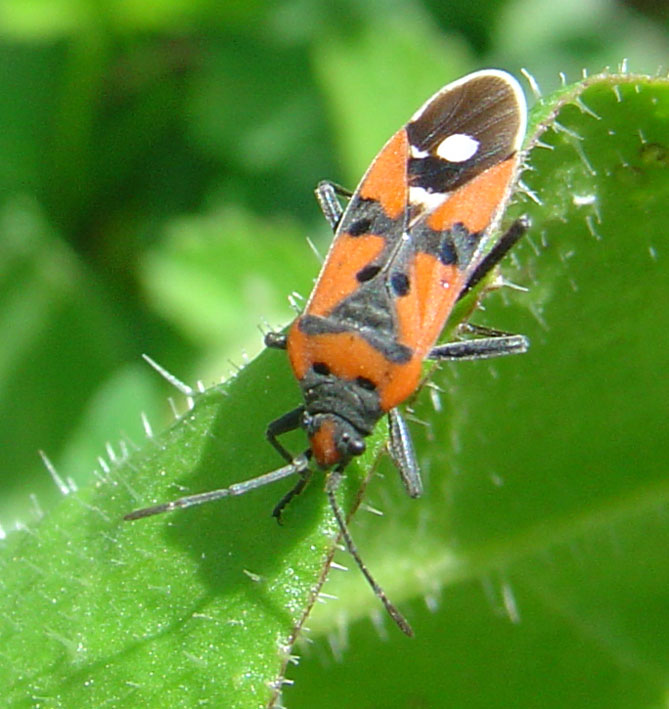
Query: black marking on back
x=367 y=272
x=360 y=226
x=399 y=282
x=366 y=216
x=369 y=311
x=362 y=316
x=434 y=174
x=484 y=108
x=464 y=242
x=446 y=252
x=368 y=307
x=365 y=383
x=453 y=247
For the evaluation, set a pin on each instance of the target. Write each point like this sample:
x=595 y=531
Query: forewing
x=371 y=225
x=464 y=145
x=416 y=226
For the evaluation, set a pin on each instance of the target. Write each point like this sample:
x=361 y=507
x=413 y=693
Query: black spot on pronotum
x=464 y=242
x=365 y=383
x=400 y=284
x=359 y=227
x=447 y=253
x=367 y=273
x=321 y=368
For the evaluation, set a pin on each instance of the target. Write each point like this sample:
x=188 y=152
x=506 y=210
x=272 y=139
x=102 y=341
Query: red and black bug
x=412 y=240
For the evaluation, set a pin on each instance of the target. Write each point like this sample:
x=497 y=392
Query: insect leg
x=327 y=193
x=402 y=453
x=288 y=422
x=483 y=330
x=497 y=253
x=305 y=476
x=297 y=466
x=482 y=348
x=331 y=484
x=276 y=340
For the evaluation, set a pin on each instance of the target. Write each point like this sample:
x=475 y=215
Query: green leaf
x=179 y=609
x=539 y=544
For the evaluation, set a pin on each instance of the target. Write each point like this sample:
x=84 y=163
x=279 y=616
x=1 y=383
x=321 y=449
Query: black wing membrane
x=488 y=107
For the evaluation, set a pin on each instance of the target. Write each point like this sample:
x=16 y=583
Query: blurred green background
x=157 y=162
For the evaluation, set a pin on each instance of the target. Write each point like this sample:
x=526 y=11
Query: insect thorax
x=356 y=401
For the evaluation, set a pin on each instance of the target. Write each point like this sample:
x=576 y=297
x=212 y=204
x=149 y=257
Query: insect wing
x=371 y=225
x=412 y=233
x=439 y=183
x=464 y=149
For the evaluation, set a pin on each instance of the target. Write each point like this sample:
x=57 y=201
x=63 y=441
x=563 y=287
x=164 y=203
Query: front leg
x=276 y=340
x=288 y=422
x=327 y=194
x=305 y=476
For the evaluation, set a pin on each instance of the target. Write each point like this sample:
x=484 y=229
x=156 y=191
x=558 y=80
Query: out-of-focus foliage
x=157 y=161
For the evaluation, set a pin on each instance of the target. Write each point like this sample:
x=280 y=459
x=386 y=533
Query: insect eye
x=365 y=383
x=321 y=368
x=356 y=446
x=352 y=444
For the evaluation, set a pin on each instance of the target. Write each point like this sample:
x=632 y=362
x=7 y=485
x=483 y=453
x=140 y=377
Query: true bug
x=413 y=239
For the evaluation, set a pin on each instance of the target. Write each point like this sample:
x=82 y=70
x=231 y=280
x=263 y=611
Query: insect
x=412 y=240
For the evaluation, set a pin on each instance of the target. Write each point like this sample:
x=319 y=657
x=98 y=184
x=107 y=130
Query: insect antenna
x=332 y=483
x=298 y=465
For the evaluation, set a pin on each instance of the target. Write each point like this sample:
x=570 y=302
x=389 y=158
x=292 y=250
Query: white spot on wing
x=428 y=200
x=417 y=152
x=457 y=147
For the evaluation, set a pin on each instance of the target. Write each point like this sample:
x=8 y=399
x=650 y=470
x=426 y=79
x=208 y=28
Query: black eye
x=365 y=383
x=321 y=368
x=356 y=447
x=352 y=445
